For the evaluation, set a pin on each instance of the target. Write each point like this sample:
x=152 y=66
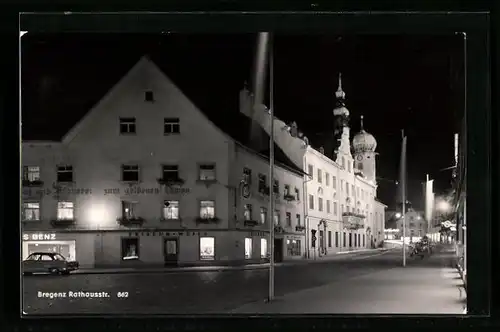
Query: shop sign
x=39 y=237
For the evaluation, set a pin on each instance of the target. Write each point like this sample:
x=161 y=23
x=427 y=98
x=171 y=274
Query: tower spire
x=361 y=120
x=340 y=94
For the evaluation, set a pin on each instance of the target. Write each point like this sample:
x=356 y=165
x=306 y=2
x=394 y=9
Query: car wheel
x=53 y=271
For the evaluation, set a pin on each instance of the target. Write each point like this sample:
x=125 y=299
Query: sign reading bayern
x=39 y=237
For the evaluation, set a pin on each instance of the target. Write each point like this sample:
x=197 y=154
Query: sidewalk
x=431 y=286
x=120 y=270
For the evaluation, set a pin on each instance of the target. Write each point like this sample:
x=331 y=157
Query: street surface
x=194 y=292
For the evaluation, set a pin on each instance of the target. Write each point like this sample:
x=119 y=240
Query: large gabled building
x=147 y=178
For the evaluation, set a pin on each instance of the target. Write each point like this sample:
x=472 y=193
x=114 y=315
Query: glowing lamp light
x=418 y=217
x=97 y=214
x=22 y=33
x=398 y=215
x=443 y=206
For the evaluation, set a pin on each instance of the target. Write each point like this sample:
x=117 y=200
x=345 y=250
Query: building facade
x=416 y=225
x=145 y=178
x=341 y=207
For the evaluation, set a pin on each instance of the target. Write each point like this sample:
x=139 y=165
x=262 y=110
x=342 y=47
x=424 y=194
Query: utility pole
x=403 y=192
x=271 y=170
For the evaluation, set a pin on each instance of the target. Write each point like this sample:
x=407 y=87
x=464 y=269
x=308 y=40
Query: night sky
x=396 y=82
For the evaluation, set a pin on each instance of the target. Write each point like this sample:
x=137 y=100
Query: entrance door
x=278 y=250
x=171 y=251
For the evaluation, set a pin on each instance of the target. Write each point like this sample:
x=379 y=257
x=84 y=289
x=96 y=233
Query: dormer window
x=149 y=96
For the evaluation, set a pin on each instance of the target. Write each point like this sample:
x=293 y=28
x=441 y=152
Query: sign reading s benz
x=39 y=237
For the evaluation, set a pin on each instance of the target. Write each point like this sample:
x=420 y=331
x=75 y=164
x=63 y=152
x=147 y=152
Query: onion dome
x=363 y=141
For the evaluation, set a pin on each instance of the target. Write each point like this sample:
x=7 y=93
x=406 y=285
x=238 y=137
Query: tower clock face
x=360 y=158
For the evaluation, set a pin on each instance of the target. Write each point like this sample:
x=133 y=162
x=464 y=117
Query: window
x=130 y=173
x=65 y=173
x=311 y=202
x=247 y=175
x=65 y=210
x=335 y=208
x=276 y=187
x=352 y=190
x=355 y=240
x=360 y=166
x=248 y=248
x=341 y=185
x=350 y=239
x=362 y=194
x=129 y=210
x=359 y=240
x=348 y=209
x=262 y=183
x=334 y=182
x=171 y=126
x=263 y=248
x=130 y=248
x=148 y=96
x=364 y=245
x=263 y=215
x=320 y=204
x=310 y=171
x=328 y=206
x=336 y=239
x=343 y=162
x=31 y=211
x=170 y=172
x=207 y=172
x=320 y=178
x=287 y=190
x=347 y=188
x=297 y=194
x=329 y=239
x=357 y=191
x=31 y=173
x=127 y=126
x=207 y=248
x=298 y=219
x=327 y=179
x=276 y=218
x=247 y=213
x=342 y=208
x=46 y=258
x=293 y=247
x=171 y=209
x=288 y=218
x=207 y=209
x=349 y=166
x=343 y=239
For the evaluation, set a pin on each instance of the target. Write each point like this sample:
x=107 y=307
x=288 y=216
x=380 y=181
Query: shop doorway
x=278 y=250
x=171 y=251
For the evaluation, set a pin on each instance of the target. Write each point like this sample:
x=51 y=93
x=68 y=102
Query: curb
x=225 y=268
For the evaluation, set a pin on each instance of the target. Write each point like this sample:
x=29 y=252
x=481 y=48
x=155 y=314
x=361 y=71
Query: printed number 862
x=122 y=294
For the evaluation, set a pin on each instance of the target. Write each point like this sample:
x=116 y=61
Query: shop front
x=72 y=246
x=295 y=246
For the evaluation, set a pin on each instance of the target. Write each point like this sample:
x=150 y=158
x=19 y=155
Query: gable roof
x=233 y=124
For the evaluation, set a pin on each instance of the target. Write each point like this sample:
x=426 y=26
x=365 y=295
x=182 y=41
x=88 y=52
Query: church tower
x=364 y=145
x=341 y=133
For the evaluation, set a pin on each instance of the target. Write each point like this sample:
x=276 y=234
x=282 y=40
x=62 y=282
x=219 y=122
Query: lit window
x=207 y=248
x=130 y=248
x=276 y=218
x=207 y=209
x=293 y=247
x=65 y=173
x=248 y=248
x=31 y=211
x=130 y=173
x=171 y=126
x=171 y=209
x=247 y=214
x=207 y=172
x=31 y=173
x=127 y=126
x=65 y=210
x=129 y=210
x=263 y=215
x=263 y=248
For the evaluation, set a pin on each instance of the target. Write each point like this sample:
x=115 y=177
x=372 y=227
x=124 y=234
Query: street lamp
x=398 y=215
x=443 y=206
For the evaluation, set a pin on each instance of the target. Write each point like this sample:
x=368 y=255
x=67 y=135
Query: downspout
x=304 y=206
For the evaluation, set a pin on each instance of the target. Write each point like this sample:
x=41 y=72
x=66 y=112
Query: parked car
x=43 y=262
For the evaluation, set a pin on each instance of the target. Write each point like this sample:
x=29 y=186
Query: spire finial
x=340 y=94
x=361 y=119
